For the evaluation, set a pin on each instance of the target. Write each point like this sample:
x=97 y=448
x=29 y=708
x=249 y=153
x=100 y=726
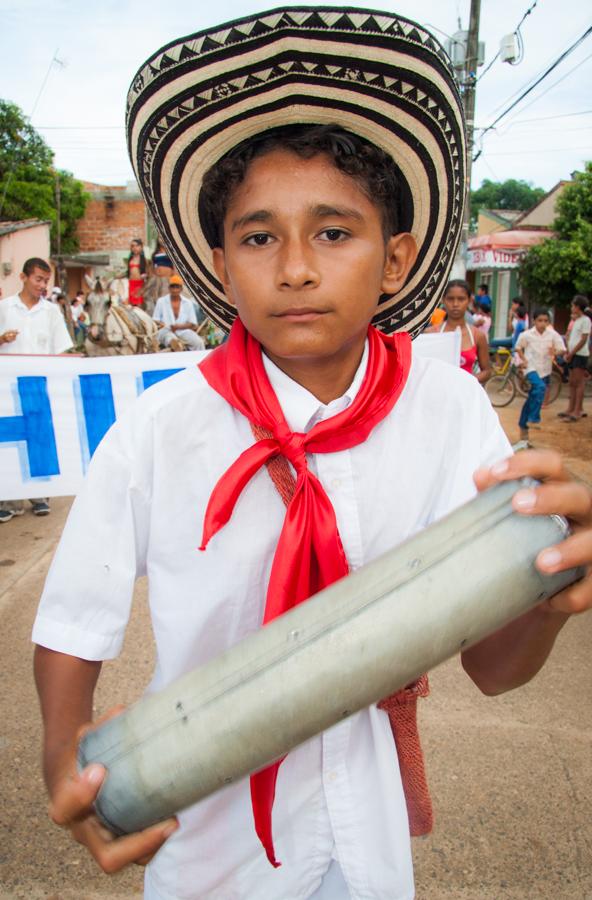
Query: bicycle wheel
x=553 y=388
x=501 y=390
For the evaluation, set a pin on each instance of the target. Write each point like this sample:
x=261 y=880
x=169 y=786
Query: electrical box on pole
x=456 y=48
x=509 y=50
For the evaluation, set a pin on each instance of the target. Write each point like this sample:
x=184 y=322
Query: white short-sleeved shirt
x=339 y=796
x=539 y=349
x=581 y=326
x=163 y=311
x=41 y=329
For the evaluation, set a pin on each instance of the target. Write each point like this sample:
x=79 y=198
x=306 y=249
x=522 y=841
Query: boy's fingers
x=570 y=498
x=575 y=599
x=542 y=464
x=115 y=853
x=73 y=798
x=573 y=552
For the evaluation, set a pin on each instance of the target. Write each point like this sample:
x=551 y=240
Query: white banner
x=54 y=410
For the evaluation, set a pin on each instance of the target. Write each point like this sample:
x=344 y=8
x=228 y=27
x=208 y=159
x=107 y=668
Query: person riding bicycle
x=537 y=347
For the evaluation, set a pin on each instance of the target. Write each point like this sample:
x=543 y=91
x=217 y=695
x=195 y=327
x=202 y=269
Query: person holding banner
x=313 y=193
x=30 y=324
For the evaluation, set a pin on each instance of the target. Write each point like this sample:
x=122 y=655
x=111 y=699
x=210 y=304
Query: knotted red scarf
x=309 y=554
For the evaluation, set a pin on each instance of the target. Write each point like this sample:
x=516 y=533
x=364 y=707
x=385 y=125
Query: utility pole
x=60 y=263
x=469 y=82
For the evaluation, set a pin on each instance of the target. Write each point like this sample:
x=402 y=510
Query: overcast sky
x=79 y=106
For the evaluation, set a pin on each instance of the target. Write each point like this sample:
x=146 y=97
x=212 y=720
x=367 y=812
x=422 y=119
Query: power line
x=518 y=89
x=529 y=152
x=56 y=61
x=581 y=112
x=525 y=93
x=559 y=80
x=520 y=42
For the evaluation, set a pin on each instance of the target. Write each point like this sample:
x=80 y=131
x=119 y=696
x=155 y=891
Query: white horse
x=116 y=330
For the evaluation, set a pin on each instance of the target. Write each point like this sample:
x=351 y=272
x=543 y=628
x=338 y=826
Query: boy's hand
x=71 y=807
x=559 y=494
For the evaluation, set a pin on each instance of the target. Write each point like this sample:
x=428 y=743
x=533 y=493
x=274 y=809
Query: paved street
x=511 y=776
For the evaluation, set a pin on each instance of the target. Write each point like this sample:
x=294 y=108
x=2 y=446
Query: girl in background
x=136 y=272
x=474 y=348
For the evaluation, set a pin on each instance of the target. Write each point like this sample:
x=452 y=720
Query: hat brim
x=375 y=74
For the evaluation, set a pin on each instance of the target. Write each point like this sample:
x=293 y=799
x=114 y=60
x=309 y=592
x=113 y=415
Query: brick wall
x=114 y=215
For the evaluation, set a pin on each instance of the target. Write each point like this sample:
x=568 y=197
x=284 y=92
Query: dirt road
x=511 y=776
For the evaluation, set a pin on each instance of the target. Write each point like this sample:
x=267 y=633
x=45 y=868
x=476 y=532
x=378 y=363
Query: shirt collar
x=16 y=301
x=302 y=409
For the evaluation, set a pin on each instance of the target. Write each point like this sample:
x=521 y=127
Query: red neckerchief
x=309 y=555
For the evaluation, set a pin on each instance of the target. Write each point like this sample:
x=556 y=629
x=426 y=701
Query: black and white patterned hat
x=373 y=73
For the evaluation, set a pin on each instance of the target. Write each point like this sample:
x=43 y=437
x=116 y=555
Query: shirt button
x=336 y=483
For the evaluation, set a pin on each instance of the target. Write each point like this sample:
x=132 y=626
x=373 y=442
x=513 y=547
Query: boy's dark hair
x=581 y=302
x=521 y=310
x=373 y=169
x=459 y=283
x=35 y=263
x=541 y=311
x=484 y=287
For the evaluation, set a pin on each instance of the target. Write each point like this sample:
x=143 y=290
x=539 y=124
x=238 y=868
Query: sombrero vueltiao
x=373 y=73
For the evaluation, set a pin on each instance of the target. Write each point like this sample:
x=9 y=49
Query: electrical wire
x=520 y=44
x=581 y=112
x=15 y=160
x=527 y=91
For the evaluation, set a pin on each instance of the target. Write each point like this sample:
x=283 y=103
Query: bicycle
x=509 y=380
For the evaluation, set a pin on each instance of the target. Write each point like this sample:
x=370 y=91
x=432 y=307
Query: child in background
x=537 y=348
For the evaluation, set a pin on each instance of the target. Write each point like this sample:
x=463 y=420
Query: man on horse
x=176 y=319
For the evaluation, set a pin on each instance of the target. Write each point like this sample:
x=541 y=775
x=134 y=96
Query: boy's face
x=541 y=323
x=304 y=258
x=36 y=283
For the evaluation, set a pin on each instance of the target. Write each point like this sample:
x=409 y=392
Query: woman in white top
x=578 y=355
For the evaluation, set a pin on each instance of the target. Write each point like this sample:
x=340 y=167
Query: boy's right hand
x=71 y=806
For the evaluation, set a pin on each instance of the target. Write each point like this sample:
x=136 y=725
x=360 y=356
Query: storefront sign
x=493 y=259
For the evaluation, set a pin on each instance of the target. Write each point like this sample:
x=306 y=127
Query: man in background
x=30 y=324
x=176 y=318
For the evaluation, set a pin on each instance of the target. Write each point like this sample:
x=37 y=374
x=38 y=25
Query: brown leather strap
x=400 y=707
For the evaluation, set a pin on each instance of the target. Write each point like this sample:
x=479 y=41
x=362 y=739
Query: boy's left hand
x=559 y=494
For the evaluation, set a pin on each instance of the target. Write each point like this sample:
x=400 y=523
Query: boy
x=313 y=233
x=31 y=324
x=537 y=348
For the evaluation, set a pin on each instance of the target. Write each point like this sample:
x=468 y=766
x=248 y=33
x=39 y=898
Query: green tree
x=28 y=180
x=510 y=194
x=559 y=267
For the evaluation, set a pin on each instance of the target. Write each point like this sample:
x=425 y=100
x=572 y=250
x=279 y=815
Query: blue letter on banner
x=97 y=406
x=34 y=426
x=156 y=375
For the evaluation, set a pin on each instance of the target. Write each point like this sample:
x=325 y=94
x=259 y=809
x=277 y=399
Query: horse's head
x=97 y=306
